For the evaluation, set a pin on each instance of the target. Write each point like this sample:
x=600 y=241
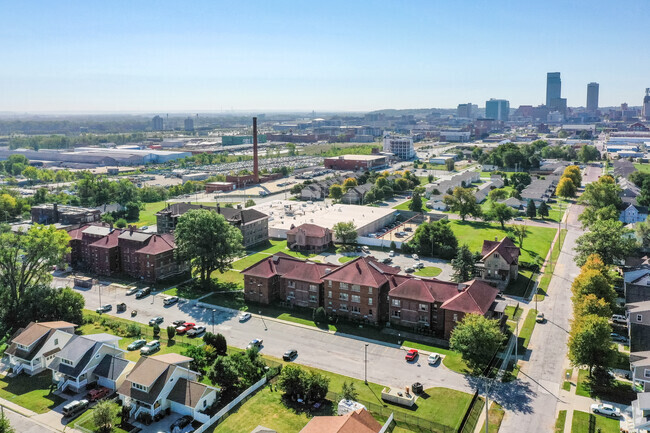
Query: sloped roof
x=311 y=230
x=134 y=236
x=110 y=241
x=277 y=264
x=188 y=392
x=505 y=247
x=158 y=244
x=422 y=289
x=233 y=215
x=36 y=330
x=359 y=421
x=310 y=272
x=111 y=367
x=96 y=230
x=364 y=271
x=477 y=298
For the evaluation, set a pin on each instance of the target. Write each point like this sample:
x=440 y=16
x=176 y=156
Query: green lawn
x=561 y=420
x=473 y=233
x=519 y=287
x=405 y=205
x=550 y=268
x=428 y=271
x=85 y=420
x=584 y=422
x=526 y=330
x=619 y=392
x=260 y=252
x=346 y=259
x=32 y=393
x=495 y=416
x=187 y=291
x=645 y=168
x=148 y=214
x=512 y=313
x=231 y=276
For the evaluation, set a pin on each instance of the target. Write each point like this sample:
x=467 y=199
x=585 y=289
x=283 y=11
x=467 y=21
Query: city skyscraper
x=553 y=87
x=592 y=97
x=189 y=124
x=497 y=109
x=646 y=105
x=464 y=110
x=157 y=123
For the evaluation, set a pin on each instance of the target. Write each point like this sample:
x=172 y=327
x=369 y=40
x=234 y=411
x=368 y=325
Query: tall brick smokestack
x=256 y=171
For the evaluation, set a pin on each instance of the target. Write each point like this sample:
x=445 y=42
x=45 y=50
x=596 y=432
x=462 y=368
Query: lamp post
x=365 y=365
x=213 y=310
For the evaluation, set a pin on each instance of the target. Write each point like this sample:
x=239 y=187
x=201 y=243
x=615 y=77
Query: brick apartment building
x=67 y=215
x=357 y=162
x=104 y=250
x=369 y=291
x=253 y=224
x=310 y=238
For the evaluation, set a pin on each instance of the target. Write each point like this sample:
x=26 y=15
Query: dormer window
x=139 y=387
x=66 y=362
x=496 y=255
x=21 y=346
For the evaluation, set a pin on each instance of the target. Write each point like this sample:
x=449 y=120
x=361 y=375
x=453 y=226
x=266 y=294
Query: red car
x=98 y=394
x=411 y=355
x=185 y=327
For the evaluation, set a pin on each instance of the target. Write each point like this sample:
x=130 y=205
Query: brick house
x=253 y=224
x=285 y=278
x=309 y=238
x=437 y=305
x=499 y=263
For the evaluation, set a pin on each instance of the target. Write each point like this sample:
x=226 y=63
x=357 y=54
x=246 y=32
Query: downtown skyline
x=219 y=57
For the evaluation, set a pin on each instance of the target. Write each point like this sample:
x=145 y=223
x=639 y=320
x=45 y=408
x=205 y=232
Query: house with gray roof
x=33 y=347
x=357 y=194
x=74 y=366
x=638 y=325
x=633 y=213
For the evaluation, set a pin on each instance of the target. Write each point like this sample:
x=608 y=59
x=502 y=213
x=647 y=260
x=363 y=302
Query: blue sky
x=185 y=56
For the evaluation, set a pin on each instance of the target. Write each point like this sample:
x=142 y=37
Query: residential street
x=541 y=376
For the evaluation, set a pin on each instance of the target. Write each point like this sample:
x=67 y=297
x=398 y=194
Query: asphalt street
x=337 y=353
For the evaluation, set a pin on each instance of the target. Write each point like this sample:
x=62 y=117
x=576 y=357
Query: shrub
x=320 y=316
x=133 y=330
x=171 y=333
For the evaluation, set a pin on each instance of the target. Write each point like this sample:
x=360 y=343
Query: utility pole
x=365 y=365
x=213 y=310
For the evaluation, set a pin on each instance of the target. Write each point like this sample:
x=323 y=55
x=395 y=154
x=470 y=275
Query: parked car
x=180 y=423
x=408 y=229
x=618 y=338
x=387 y=260
x=185 y=327
x=142 y=293
x=606 y=409
x=121 y=307
x=255 y=344
x=98 y=393
x=244 y=317
x=170 y=300
x=411 y=355
x=409 y=270
x=290 y=354
x=433 y=359
x=415 y=257
x=150 y=347
x=619 y=318
x=132 y=291
x=419 y=265
x=136 y=344
x=391 y=253
x=540 y=318
x=178 y=323
x=74 y=407
x=194 y=332
x=156 y=320
x=104 y=308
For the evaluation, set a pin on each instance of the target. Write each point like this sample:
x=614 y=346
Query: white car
x=391 y=253
x=169 y=300
x=415 y=256
x=244 y=317
x=433 y=359
x=606 y=409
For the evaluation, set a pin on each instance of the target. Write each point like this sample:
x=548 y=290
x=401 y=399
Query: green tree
x=171 y=332
x=218 y=341
x=199 y=361
x=531 y=210
x=30 y=173
x=642 y=230
x=120 y=223
x=8 y=206
x=588 y=153
x=593 y=282
x=463 y=202
x=316 y=386
x=292 y=149
x=464 y=265
x=566 y=188
x=42 y=303
x=450 y=165
x=345 y=232
x=348 y=183
x=498 y=194
x=320 y=316
x=250 y=202
x=291 y=381
x=224 y=373
x=477 y=339
x=415 y=204
x=590 y=342
x=435 y=239
x=573 y=172
x=207 y=240
x=336 y=192
x=349 y=391
x=591 y=304
x=104 y=415
x=592 y=214
x=609 y=239
x=601 y=193
x=520 y=231
x=108 y=218
x=542 y=211
x=500 y=212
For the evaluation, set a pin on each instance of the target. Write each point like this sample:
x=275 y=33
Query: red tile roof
x=359 y=421
x=277 y=264
x=77 y=234
x=310 y=272
x=422 y=289
x=477 y=298
x=505 y=247
x=311 y=230
x=158 y=244
x=364 y=271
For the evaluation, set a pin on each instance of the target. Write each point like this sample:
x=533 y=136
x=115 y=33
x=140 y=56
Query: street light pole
x=213 y=310
x=365 y=365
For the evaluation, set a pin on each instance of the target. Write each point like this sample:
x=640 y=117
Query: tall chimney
x=256 y=172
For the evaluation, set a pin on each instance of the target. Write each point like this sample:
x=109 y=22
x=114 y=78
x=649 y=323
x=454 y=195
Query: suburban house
x=310 y=238
x=463 y=180
x=636 y=285
x=484 y=189
x=105 y=250
x=74 y=365
x=357 y=194
x=499 y=263
x=33 y=347
x=640 y=366
x=359 y=421
x=641 y=412
x=253 y=224
x=623 y=168
x=437 y=202
x=282 y=277
x=638 y=325
x=540 y=190
x=514 y=203
x=165 y=381
x=633 y=214
x=313 y=192
x=437 y=305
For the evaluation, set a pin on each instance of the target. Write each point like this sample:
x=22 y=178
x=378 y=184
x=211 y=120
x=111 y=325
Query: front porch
x=63 y=381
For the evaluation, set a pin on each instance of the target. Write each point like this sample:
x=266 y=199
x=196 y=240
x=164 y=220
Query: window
x=397 y=313
x=343 y=286
x=397 y=303
x=434 y=307
x=356 y=288
x=496 y=255
x=646 y=373
x=329 y=294
x=138 y=386
x=369 y=301
x=329 y=304
x=329 y=283
x=455 y=317
x=290 y=295
x=312 y=298
x=639 y=317
x=66 y=362
x=370 y=290
x=56 y=341
x=370 y=312
x=291 y=284
x=356 y=298
x=344 y=307
x=423 y=307
x=355 y=309
x=313 y=288
x=343 y=296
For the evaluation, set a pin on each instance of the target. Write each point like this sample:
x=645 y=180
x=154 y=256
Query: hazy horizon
x=74 y=57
